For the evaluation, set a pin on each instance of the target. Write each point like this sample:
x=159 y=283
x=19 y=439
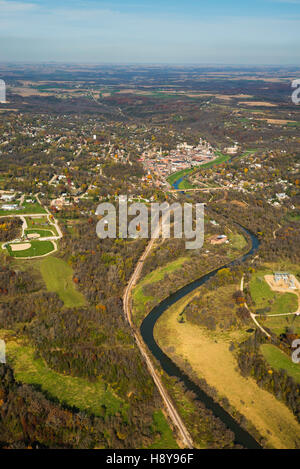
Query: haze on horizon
x=261 y=32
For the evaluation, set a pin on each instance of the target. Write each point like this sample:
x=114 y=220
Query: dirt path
x=253 y=316
x=183 y=433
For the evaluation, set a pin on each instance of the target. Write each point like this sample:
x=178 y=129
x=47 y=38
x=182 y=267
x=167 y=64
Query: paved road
x=173 y=414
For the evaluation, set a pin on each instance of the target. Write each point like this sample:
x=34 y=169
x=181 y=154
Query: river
x=242 y=437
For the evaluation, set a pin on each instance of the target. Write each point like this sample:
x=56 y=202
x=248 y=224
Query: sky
x=246 y=32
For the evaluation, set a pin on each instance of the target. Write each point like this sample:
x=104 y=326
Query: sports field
x=36 y=249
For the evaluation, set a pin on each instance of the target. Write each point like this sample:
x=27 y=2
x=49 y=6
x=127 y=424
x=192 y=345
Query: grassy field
x=139 y=299
x=264 y=297
x=70 y=390
x=38 y=248
x=219 y=160
x=175 y=176
x=27 y=208
x=58 y=276
x=278 y=324
x=237 y=241
x=39 y=223
x=209 y=355
x=89 y=397
x=42 y=233
x=166 y=438
x=279 y=360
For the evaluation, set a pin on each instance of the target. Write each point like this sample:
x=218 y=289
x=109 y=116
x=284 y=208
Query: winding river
x=241 y=436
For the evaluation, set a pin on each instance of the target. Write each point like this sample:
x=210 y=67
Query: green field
x=175 y=176
x=58 y=277
x=38 y=248
x=40 y=222
x=42 y=233
x=219 y=160
x=165 y=439
x=89 y=397
x=264 y=297
x=279 y=324
x=279 y=360
x=237 y=241
x=70 y=390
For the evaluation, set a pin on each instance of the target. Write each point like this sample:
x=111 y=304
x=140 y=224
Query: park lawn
x=261 y=293
x=42 y=233
x=139 y=299
x=166 y=439
x=280 y=361
x=210 y=358
x=40 y=222
x=278 y=324
x=70 y=390
x=58 y=277
x=38 y=248
x=219 y=160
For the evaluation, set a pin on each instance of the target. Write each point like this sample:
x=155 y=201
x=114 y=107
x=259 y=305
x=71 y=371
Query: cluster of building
x=183 y=157
x=8 y=198
x=286 y=278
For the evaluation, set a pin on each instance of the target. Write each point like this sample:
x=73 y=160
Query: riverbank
x=210 y=358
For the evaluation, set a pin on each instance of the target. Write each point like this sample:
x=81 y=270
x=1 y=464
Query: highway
x=172 y=412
